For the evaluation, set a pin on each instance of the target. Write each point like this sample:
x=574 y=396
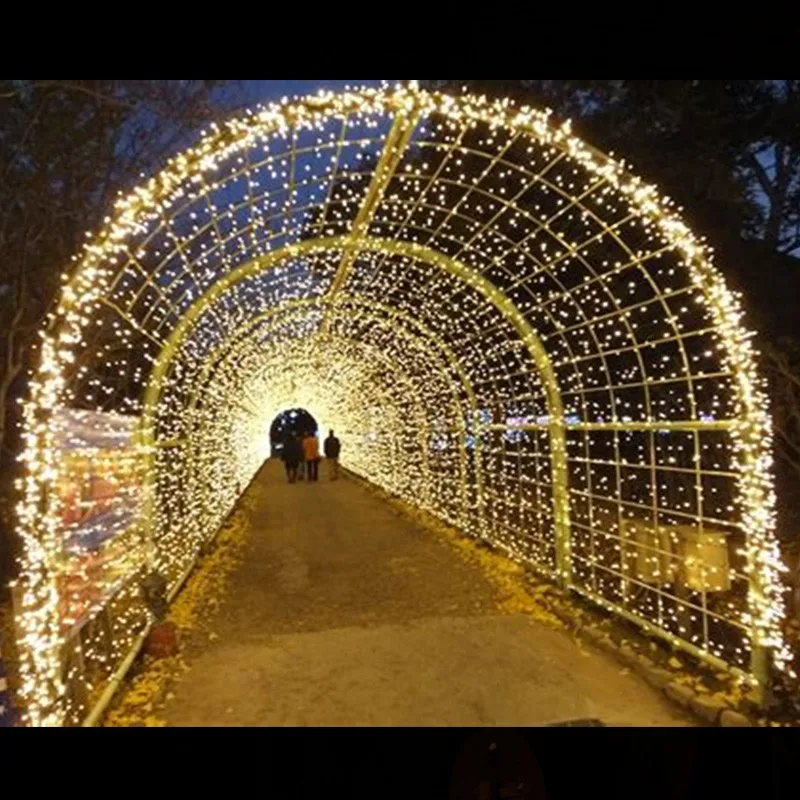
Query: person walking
x=332 y=448
x=311 y=452
x=292 y=456
x=302 y=470
x=7 y=715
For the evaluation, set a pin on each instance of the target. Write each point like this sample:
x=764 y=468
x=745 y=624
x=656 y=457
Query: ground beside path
x=343 y=613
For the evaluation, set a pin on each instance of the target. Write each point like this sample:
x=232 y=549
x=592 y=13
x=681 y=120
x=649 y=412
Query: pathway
x=343 y=613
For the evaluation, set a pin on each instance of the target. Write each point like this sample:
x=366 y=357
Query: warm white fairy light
x=498 y=316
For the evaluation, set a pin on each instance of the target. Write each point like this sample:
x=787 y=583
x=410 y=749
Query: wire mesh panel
x=504 y=327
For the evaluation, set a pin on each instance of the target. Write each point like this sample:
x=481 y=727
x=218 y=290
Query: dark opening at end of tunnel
x=292 y=422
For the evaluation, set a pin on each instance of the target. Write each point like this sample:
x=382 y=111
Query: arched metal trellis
x=505 y=327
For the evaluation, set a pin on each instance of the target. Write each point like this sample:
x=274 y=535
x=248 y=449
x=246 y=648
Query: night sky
x=254 y=92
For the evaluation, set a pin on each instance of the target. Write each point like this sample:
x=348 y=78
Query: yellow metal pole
x=396 y=143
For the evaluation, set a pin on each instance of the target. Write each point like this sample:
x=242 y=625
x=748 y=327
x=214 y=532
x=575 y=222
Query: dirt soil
x=343 y=613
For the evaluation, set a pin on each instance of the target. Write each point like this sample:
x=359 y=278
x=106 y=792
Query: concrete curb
x=710 y=711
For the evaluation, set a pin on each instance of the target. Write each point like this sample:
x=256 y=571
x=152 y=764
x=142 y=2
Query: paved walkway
x=344 y=613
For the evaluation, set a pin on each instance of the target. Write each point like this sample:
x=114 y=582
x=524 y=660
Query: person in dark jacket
x=332 y=448
x=292 y=455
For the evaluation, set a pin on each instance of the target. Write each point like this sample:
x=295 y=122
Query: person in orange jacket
x=311 y=452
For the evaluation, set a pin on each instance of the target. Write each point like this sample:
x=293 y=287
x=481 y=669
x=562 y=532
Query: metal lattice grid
x=504 y=326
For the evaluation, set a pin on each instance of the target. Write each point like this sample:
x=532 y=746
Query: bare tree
x=66 y=148
x=772 y=166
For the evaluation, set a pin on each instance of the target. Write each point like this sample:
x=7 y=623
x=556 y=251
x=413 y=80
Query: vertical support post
x=144 y=440
x=558 y=462
x=478 y=451
x=760 y=654
x=425 y=444
x=760 y=668
x=751 y=434
x=463 y=465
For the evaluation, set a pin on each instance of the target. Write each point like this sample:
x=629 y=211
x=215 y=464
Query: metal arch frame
x=414 y=391
x=239 y=337
x=587 y=323
x=750 y=431
x=291 y=306
x=294 y=305
x=556 y=144
x=507 y=309
x=469 y=276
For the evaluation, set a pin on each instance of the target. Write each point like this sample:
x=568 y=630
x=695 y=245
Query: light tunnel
x=505 y=327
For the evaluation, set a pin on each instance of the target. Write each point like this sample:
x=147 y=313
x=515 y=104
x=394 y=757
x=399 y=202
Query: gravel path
x=344 y=613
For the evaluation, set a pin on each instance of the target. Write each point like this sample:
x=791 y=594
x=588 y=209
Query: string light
x=503 y=325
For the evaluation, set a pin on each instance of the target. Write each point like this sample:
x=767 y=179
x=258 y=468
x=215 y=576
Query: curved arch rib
x=506 y=307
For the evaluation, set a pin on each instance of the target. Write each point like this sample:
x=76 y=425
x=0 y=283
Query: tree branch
x=75 y=87
x=762 y=176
